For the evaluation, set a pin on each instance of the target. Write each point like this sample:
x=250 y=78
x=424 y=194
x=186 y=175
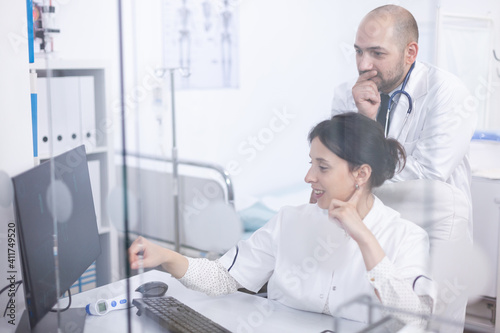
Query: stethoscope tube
x=394 y=94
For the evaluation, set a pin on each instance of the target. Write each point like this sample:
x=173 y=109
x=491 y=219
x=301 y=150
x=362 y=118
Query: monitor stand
x=72 y=320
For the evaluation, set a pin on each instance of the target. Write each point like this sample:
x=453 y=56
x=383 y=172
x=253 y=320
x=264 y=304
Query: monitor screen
x=78 y=246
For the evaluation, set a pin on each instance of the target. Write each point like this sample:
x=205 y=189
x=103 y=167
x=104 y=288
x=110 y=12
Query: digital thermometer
x=103 y=306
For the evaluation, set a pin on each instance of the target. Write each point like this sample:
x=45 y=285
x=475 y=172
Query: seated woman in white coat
x=315 y=257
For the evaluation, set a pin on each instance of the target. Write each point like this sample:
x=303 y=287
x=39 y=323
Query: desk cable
x=13 y=295
x=19 y=282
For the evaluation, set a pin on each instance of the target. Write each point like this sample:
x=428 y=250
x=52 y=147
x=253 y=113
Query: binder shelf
x=72 y=110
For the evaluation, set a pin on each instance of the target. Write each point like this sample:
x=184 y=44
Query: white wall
x=292 y=55
x=469 y=46
x=15 y=125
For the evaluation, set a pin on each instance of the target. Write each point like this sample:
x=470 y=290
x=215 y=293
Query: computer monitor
x=77 y=234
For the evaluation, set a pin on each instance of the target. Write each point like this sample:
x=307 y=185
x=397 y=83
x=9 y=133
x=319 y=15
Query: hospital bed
x=210 y=220
x=209 y=224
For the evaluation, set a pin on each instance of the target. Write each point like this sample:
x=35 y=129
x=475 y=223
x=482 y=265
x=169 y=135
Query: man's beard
x=395 y=76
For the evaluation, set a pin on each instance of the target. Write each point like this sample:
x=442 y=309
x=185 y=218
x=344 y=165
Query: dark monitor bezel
x=67 y=167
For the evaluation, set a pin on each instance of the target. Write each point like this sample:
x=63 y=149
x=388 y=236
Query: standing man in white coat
x=429 y=111
x=434 y=118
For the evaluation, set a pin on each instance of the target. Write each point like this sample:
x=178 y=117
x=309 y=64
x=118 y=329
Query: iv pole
x=175 y=161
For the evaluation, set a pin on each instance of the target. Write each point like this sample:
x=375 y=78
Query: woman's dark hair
x=360 y=140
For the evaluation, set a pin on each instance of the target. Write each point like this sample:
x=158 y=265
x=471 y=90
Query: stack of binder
x=87 y=281
x=71 y=120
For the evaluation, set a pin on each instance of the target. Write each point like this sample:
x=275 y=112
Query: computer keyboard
x=175 y=316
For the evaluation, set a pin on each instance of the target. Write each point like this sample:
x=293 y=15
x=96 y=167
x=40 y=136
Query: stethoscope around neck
x=410 y=103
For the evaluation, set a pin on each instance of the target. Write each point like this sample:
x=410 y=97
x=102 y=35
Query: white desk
x=238 y=312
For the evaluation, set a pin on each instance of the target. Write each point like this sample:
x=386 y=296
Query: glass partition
x=183 y=125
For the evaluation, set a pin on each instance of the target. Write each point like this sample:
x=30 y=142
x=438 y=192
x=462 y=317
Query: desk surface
x=238 y=312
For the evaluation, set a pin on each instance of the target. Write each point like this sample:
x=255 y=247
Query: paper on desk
x=412 y=329
x=493 y=173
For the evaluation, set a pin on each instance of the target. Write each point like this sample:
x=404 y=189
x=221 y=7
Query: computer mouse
x=152 y=289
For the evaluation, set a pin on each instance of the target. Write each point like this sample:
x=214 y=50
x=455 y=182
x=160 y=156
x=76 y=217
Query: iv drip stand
x=175 y=164
x=175 y=161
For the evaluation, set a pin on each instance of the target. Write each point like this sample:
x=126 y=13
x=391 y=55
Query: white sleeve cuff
x=380 y=273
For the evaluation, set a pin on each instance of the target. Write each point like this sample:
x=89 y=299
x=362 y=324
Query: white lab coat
x=438 y=131
x=309 y=261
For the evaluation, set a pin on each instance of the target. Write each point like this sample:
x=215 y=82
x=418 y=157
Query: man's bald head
x=405 y=28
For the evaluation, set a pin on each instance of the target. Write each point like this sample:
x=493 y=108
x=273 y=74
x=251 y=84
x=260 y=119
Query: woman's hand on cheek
x=347 y=215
